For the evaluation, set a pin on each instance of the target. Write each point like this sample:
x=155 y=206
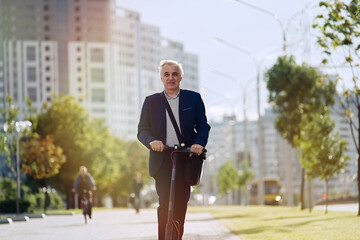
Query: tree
x=67 y=122
x=227 y=178
x=244 y=177
x=339 y=36
x=41 y=158
x=136 y=160
x=294 y=91
x=7 y=139
x=321 y=150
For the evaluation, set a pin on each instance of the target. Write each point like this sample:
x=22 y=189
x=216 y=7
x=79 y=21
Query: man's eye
x=175 y=74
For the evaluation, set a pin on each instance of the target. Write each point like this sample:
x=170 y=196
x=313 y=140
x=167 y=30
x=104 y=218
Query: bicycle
x=86 y=204
x=170 y=221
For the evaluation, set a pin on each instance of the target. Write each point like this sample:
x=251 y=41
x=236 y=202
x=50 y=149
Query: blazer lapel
x=181 y=107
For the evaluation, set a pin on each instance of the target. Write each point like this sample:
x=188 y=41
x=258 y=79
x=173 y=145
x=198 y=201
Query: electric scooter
x=173 y=155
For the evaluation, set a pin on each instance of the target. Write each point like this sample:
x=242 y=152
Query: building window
x=46 y=28
x=46 y=18
x=151 y=83
x=78 y=59
x=48 y=79
x=32 y=94
x=47 y=58
x=48 y=89
x=77 y=9
x=47 y=48
x=79 y=89
x=47 y=68
x=78 y=49
x=97 y=75
x=79 y=79
x=46 y=7
x=98 y=95
x=97 y=55
x=99 y=110
x=31 y=74
x=30 y=53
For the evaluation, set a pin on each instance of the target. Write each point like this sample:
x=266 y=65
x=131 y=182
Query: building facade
x=98 y=52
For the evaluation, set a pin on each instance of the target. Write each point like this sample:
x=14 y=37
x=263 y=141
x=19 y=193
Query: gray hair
x=170 y=62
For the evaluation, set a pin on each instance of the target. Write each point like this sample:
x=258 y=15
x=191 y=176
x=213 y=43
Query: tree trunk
x=327 y=195
x=309 y=188
x=114 y=199
x=69 y=199
x=302 y=189
x=99 y=197
x=358 y=172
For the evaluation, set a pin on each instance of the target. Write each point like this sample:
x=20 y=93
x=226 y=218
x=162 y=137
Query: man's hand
x=157 y=146
x=196 y=148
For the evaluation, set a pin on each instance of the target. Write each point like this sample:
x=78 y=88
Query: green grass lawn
x=285 y=223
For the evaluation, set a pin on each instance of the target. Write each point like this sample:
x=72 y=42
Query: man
x=155 y=130
x=137 y=186
x=84 y=181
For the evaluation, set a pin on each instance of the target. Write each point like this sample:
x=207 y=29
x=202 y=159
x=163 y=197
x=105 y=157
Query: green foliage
x=322 y=152
x=339 y=27
x=111 y=161
x=67 y=122
x=8 y=139
x=41 y=158
x=227 y=177
x=55 y=201
x=339 y=30
x=295 y=90
x=136 y=157
x=245 y=175
x=8 y=197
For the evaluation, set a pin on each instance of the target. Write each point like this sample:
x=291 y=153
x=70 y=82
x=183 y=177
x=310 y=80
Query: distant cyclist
x=84 y=181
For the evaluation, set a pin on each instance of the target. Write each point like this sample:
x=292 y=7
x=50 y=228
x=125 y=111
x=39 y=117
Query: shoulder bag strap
x=172 y=118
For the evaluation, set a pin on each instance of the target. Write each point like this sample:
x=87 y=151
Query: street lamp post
x=243 y=89
x=283 y=27
x=20 y=127
x=259 y=124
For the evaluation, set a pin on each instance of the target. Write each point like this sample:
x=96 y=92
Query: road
x=339 y=207
x=111 y=225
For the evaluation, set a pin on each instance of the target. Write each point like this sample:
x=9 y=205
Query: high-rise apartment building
x=99 y=52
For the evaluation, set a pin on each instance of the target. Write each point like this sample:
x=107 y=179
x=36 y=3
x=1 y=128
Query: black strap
x=172 y=118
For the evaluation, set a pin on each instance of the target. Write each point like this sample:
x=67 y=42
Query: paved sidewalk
x=112 y=225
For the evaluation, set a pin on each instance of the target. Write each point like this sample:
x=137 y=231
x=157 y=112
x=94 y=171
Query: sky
x=227 y=73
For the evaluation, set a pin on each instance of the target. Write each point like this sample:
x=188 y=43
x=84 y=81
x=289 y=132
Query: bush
x=9 y=206
x=29 y=201
x=8 y=201
x=55 y=201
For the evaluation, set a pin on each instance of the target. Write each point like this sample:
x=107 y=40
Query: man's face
x=171 y=78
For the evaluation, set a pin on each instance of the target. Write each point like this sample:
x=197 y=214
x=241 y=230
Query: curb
x=6 y=221
x=60 y=214
x=20 y=219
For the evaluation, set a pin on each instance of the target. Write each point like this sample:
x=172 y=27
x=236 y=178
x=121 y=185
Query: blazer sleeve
x=201 y=126
x=144 y=134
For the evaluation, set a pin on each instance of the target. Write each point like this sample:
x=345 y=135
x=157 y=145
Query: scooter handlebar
x=183 y=149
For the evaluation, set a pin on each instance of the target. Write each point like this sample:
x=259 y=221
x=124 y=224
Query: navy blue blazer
x=152 y=125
